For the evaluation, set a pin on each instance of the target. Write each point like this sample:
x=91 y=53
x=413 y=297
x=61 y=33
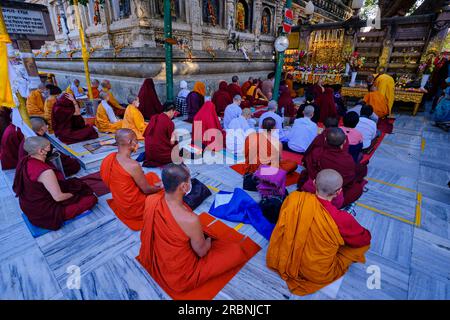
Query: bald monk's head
x=39 y=126
x=335 y=137
x=126 y=141
x=37 y=147
x=328 y=184
x=176 y=179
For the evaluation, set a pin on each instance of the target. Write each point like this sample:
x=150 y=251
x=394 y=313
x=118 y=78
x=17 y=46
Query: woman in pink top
x=355 y=138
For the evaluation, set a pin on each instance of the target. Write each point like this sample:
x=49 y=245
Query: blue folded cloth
x=242 y=208
x=37 y=231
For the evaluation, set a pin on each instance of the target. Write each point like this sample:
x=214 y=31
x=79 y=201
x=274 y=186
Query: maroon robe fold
x=158 y=147
x=234 y=89
x=11 y=139
x=325 y=100
x=149 y=103
x=68 y=127
x=285 y=101
x=70 y=165
x=38 y=204
x=222 y=98
x=194 y=102
x=328 y=157
x=5 y=120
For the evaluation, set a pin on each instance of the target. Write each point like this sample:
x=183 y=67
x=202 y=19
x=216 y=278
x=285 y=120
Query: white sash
x=110 y=112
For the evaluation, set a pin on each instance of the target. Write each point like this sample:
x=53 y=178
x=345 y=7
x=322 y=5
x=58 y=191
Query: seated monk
x=11 y=139
x=105 y=119
x=126 y=180
x=313 y=243
x=44 y=196
x=54 y=92
x=160 y=141
x=35 y=101
x=95 y=91
x=67 y=122
x=5 y=120
x=206 y=128
x=75 y=89
x=333 y=156
x=378 y=102
x=175 y=250
x=133 y=118
x=118 y=109
x=265 y=148
x=38 y=125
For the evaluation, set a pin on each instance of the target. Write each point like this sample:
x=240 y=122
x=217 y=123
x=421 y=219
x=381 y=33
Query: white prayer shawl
x=183 y=93
x=110 y=112
x=75 y=90
x=237 y=132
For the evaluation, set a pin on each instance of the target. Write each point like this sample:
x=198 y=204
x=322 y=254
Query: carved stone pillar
x=257 y=16
x=196 y=24
x=143 y=34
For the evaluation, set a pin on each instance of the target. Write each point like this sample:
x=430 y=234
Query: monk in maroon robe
x=38 y=125
x=285 y=101
x=11 y=139
x=149 y=103
x=234 y=88
x=159 y=138
x=324 y=98
x=333 y=156
x=5 y=120
x=67 y=122
x=222 y=98
x=195 y=100
x=44 y=196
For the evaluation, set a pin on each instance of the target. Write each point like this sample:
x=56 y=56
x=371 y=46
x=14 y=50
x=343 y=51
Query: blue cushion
x=37 y=231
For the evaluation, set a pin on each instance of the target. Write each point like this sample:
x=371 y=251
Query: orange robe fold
x=48 y=107
x=113 y=101
x=386 y=86
x=35 y=104
x=167 y=255
x=69 y=90
x=378 y=102
x=128 y=200
x=261 y=150
x=306 y=248
x=134 y=120
x=102 y=121
x=95 y=93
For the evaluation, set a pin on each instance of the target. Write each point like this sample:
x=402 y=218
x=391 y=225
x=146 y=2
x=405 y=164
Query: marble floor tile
x=27 y=277
x=431 y=254
x=434 y=176
x=434 y=192
x=435 y=217
x=425 y=287
x=14 y=241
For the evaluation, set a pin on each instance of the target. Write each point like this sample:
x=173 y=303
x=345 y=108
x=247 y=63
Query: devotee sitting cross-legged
x=160 y=140
x=95 y=90
x=332 y=155
x=238 y=130
x=10 y=143
x=367 y=127
x=271 y=113
x=378 y=102
x=75 y=89
x=175 y=250
x=35 y=101
x=232 y=111
x=313 y=243
x=67 y=122
x=302 y=133
x=126 y=180
x=221 y=98
x=355 y=138
x=39 y=126
x=44 y=196
x=106 y=120
x=264 y=148
x=54 y=92
x=133 y=118
x=118 y=109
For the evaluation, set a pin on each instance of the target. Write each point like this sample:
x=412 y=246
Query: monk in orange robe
x=54 y=92
x=386 y=86
x=75 y=89
x=95 y=91
x=126 y=180
x=174 y=249
x=118 y=109
x=35 y=101
x=313 y=243
x=265 y=148
x=378 y=102
x=133 y=118
x=105 y=119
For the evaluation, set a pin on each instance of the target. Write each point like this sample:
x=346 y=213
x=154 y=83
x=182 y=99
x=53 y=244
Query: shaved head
x=328 y=182
x=124 y=137
x=33 y=145
x=335 y=137
x=173 y=175
x=38 y=125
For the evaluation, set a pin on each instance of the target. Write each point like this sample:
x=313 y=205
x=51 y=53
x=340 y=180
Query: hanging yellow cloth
x=6 y=97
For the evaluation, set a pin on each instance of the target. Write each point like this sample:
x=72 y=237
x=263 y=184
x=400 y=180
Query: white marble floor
x=407 y=210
